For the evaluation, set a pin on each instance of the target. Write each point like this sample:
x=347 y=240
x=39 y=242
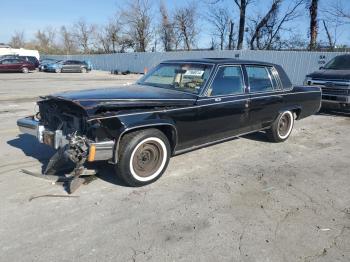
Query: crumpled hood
x=330 y=74
x=123 y=97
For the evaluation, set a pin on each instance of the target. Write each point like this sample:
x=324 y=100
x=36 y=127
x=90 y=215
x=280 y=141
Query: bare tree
x=266 y=31
x=185 y=25
x=242 y=5
x=219 y=18
x=137 y=19
x=83 y=34
x=109 y=36
x=230 y=36
x=334 y=17
x=313 y=8
x=17 y=40
x=329 y=37
x=166 y=29
x=270 y=16
x=68 y=43
x=45 y=40
x=295 y=41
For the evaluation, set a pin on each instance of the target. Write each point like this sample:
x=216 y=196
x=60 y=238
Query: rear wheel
x=25 y=70
x=281 y=127
x=143 y=157
x=58 y=70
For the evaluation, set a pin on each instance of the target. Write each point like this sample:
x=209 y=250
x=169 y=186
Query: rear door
x=67 y=66
x=266 y=95
x=14 y=65
x=75 y=66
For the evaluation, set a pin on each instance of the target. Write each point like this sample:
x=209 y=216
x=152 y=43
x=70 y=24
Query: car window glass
x=339 y=63
x=259 y=79
x=8 y=61
x=228 y=80
x=183 y=77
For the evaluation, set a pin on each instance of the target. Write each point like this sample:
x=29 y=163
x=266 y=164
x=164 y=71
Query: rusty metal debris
x=72 y=154
x=49 y=195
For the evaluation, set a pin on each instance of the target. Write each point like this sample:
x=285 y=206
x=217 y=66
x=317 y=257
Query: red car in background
x=15 y=65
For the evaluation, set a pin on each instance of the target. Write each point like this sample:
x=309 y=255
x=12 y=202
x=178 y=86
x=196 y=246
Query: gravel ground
x=242 y=200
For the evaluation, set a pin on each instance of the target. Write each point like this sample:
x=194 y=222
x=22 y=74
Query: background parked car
x=334 y=78
x=45 y=62
x=31 y=59
x=71 y=66
x=16 y=65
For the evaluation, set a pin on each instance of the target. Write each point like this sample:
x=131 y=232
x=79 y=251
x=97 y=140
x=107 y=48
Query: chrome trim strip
x=141 y=99
x=335 y=101
x=191 y=107
x=216 y=141
x=335 y=82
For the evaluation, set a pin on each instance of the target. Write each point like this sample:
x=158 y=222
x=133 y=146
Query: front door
x=224 y=111
x=4 y=65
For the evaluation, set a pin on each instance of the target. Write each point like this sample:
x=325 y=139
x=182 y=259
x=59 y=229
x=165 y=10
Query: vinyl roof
x=218 y=61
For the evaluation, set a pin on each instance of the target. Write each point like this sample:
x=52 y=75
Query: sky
x=29 y=16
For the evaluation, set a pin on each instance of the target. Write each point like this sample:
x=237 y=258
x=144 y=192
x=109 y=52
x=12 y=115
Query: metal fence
x=296 y=63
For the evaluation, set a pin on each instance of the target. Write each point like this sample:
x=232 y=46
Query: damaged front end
x=63 y=125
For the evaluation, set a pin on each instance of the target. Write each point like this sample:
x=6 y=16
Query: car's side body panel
x=210 y=120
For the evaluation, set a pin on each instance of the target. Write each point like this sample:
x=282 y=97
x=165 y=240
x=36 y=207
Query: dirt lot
x=243 y=200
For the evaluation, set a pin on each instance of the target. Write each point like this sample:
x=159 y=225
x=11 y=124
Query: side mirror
x=321 y=67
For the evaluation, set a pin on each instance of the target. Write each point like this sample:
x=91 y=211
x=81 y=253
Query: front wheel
x=25 y=70
x=83 y=70
x=58 y=70
x=281 y=127
x=143 y=157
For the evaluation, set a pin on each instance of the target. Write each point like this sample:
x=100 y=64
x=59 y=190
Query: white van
x=7 y=50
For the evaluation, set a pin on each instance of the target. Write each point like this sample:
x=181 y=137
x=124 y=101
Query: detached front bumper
x=96 y=150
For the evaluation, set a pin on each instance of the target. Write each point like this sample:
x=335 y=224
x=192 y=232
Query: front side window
x=259 y=79
x=228 y=80
x=183 y=77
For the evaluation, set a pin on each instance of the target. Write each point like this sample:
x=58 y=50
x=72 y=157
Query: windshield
x=179 y=76
x=339 y=63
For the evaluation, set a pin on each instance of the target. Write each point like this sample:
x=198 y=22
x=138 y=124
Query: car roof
x=217 y=60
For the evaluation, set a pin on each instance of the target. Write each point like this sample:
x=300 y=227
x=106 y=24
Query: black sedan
x=178 y=106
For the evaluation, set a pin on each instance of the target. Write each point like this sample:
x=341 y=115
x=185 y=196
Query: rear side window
x=259 y=79
x=228 y=80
